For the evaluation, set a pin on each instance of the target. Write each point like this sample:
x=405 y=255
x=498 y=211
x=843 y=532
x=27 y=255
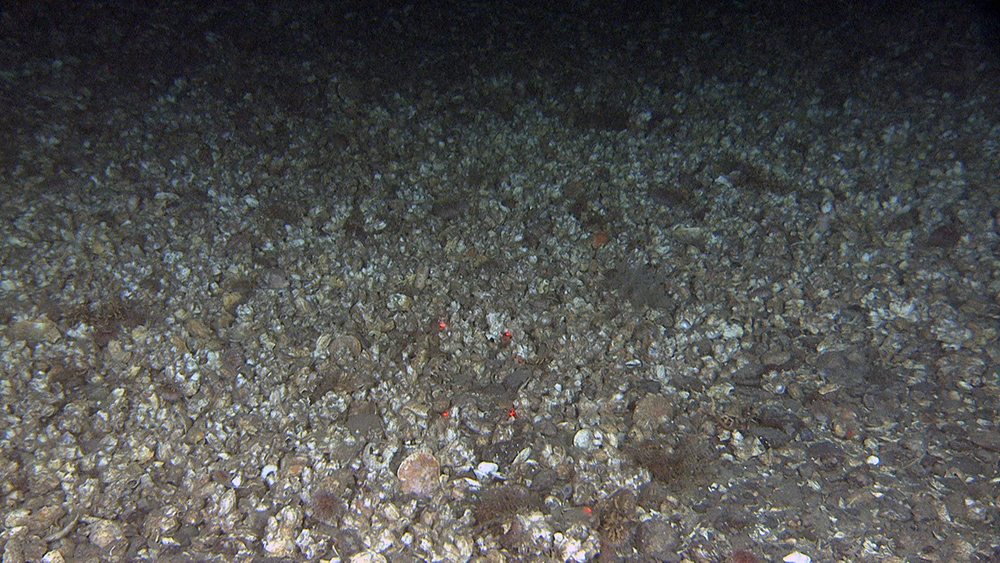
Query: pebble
x=420 y=474
x=588 y=440
x=105 y=532
x=656 y=540
x=487 y=470
x=652 y=410
x=368 y=557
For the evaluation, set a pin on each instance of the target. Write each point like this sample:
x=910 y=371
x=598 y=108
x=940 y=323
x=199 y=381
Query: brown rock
x=419 y=474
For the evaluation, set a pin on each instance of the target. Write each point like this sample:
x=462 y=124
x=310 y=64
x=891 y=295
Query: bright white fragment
x=796 y=557
x=486 y=470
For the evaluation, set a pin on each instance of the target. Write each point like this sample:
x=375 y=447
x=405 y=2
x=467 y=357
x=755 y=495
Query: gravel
x=316 y=282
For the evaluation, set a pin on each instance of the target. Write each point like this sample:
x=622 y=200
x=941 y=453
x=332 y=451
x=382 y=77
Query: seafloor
x=314 y=281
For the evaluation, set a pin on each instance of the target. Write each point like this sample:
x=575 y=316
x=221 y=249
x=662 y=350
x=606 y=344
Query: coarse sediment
x=306 y=282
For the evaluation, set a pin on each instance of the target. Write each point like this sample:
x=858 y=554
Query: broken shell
x=399 y=302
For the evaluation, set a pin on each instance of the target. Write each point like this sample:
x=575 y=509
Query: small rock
x=275 y=278
x=744 y=448
x=652 y=410
x=588 y=440
x=399 y=302
x=104 y=532
x=419 y=474
x=368 y=557
x=345 y=347
x=34 y=331
x=16 y=517
x=986 y=439
x=281 y=532
x=656 y=540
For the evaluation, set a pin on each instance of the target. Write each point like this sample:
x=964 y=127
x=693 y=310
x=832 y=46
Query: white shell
x=796 y=557
x=487 y=470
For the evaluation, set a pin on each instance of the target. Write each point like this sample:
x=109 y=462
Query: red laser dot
x=508 y=335
x=587 y=510
x=445 y=414
x=442 y=325
x=513 y=413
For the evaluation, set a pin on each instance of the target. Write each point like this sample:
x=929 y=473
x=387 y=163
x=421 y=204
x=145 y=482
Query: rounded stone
x=588 y=440
x=419 y=474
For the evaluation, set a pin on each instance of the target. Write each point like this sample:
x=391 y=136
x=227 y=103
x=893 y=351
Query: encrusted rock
x=103 y=533
x=419 y=474
x=281 y=532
